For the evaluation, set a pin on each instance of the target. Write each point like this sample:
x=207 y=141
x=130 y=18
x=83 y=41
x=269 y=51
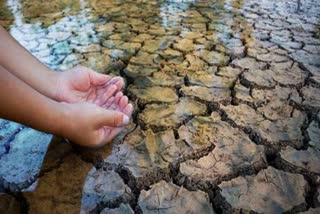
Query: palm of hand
x=119 y=102
x=81 y=84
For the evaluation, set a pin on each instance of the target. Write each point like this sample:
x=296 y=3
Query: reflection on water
x=185 y=61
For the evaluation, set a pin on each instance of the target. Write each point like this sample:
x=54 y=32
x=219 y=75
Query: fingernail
x=125 y=120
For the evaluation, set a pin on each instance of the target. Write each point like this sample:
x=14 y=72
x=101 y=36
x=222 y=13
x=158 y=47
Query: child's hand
x=93 y=92
x=81 y=84
x=90 y=125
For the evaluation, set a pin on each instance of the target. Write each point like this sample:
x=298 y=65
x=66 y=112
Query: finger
x=103 y=133
x=108 y=92
x=128 y=110
x=97 y=78
x=120 y=84
x=117 y=81
x=116 y=103
x=111 y=118
x=118 y=97
x=123 y=102
x=111 y=134
x=113 y=107
x=109 y=102
x=114 y=80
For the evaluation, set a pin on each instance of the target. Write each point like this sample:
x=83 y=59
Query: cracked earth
x=227 y=100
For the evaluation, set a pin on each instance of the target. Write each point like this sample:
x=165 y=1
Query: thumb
x=112 y=118
x=99 y=79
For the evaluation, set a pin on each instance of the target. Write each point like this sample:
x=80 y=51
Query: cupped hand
x=90 y=125
x=81 y=84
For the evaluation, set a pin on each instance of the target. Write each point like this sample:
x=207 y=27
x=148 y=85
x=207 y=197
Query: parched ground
x=227 y=99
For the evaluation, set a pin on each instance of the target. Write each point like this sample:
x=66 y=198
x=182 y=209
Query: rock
x=8 y=131
x=270 y=191
x=130 y=47
x=124 y=36
x=237 y=52
x=154 y=94
x=219 y=95
x=152 y=46
x=314 y=49
x=248 y=63
x=160 y=79
x=243 y=93
x=112 y=44
x=291 y=46
x=285 y=131
x=20 y=165
x=71 y=61
x=140 y=152
x=291 y=77
x=142 y=37
x=97 y=62
x=281 y=65
x=158 y=31
x=61 y=48
x=306 y=159
x=122 y=209
x=258 y=79
x=213 y=57
x=88 y=49
x=170 y=115
x=276 y=110
x=243 y=115
x=229 y=72
x=165 y=197
x=311 y=211
x=184 y=45
x=311 y=98
x=103 y=187
x=117 y=54
x=277 y=94
x=59 y=35
x=60 y=190
x=195 y=64
x=170 y=54
x=234 y=151
x=306 y=58
x=191 y=35
x=134 y=71
x=209 y=80
x=272 y=57
x=143 y=58
x=147 y=155
x=314 y=134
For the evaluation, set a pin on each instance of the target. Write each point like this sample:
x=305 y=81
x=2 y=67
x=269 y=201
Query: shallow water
x=220 y=88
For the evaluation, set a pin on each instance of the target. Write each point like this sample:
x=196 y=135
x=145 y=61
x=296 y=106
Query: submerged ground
x=227 y=99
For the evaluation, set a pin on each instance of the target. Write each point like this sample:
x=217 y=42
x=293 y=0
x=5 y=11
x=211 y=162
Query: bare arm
x=21 y=103
x=82 y=123
x=72 y=86
x=25 y=66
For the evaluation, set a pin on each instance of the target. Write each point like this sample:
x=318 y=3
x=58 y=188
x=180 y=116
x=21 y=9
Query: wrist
x=62 y=121
x=53 y=84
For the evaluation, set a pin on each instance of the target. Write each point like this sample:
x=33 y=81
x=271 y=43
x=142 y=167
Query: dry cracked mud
x=227 y=108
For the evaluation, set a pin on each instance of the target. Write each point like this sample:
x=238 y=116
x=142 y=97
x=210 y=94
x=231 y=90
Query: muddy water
x=219 y=88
